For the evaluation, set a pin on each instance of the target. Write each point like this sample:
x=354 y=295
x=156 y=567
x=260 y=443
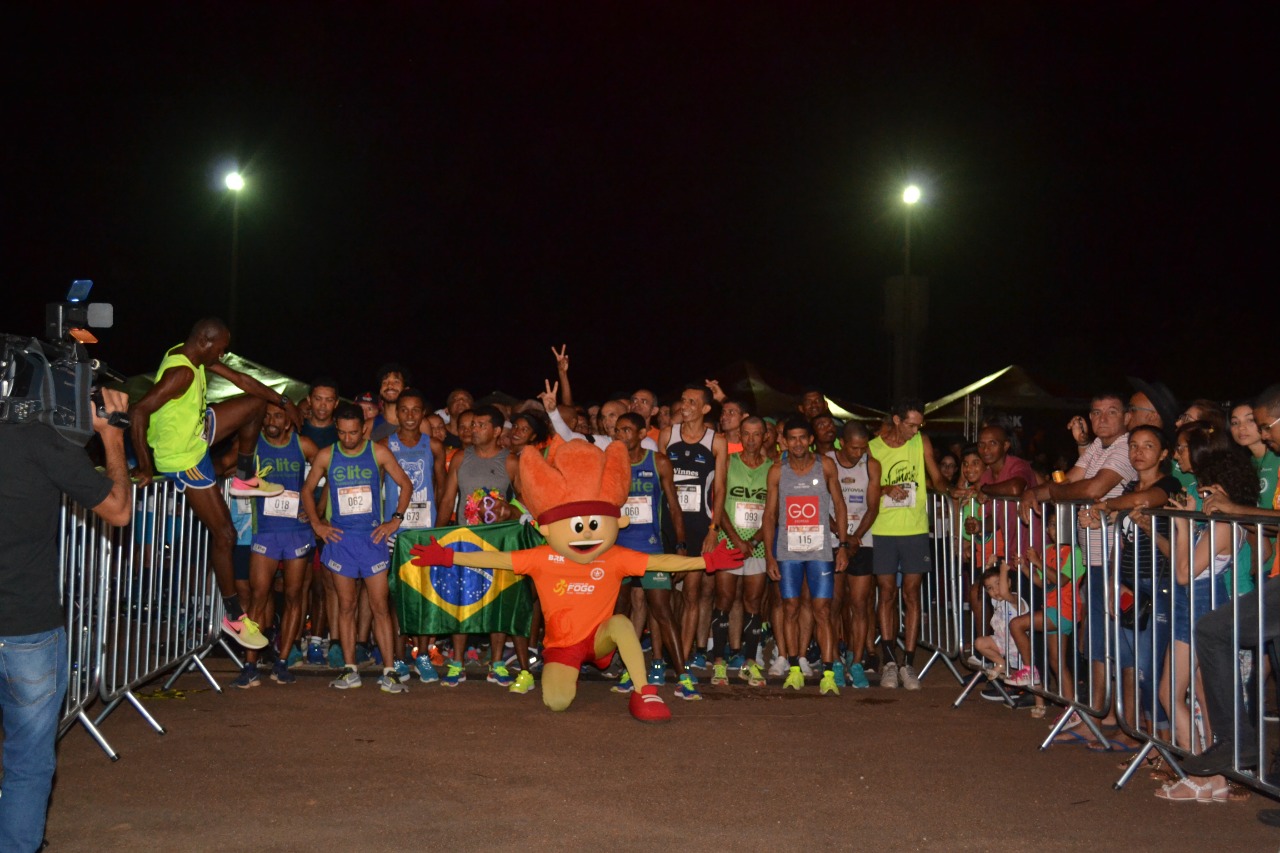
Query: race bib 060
x=639 y=508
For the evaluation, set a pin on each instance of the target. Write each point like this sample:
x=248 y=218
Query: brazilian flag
x=459 y=600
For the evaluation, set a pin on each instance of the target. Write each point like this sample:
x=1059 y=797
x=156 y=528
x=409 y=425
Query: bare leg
x=346 y=621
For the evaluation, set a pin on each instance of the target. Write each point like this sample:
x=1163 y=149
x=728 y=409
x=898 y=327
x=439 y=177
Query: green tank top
x=176 y=431
x=901 y=466
x=745 y=491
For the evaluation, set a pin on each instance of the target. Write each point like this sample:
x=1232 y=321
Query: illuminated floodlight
x=235 y=181
x=910 y=195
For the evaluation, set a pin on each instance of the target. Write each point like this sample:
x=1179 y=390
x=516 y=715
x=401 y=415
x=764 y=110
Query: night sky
x=667 y=188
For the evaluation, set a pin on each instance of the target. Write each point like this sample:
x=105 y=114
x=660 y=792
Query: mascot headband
x=573 y=508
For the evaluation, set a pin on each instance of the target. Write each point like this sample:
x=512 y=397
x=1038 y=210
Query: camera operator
x=37 y=466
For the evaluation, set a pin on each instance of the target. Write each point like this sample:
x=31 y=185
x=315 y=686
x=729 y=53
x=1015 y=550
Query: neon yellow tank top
x=176 y=430
x=901 y=466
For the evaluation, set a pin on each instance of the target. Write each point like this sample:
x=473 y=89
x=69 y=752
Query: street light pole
x=235 y=183
x=904 y=305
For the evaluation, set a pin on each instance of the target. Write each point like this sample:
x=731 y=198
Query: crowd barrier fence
x=140 y=601
x=1129 y=645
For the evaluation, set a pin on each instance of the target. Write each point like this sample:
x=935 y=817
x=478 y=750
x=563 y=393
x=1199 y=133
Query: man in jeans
x=37 y=466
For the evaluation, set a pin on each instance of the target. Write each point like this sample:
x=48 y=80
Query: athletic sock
x=794 y=660
x=909 y=658
x=826 y=668
x=751 y=636
x=719 y=634
x=245 y=469
x=887 y=654
x=231 y=604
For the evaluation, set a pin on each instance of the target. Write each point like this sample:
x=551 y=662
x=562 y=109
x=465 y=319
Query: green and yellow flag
x=459 y=600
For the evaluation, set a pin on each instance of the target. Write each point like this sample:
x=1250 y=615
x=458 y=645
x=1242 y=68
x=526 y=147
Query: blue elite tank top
x=279 y=513
x=643 y=508
x=355 y=493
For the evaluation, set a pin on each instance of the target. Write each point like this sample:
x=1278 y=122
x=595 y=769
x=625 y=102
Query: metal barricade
x=1202 y=564
x=1052 y=567
x=162 y=608
x=86 y=554
x=941 y=592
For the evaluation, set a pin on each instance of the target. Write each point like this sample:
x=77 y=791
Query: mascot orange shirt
x=576 y=494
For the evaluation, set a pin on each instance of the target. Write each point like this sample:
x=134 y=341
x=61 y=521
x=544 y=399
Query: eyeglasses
x=1267 y=427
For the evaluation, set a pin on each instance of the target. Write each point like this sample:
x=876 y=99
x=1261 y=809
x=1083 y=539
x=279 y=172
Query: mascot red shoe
x=576 y=495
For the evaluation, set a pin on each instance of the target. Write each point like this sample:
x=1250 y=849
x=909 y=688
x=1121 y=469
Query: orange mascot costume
x=576 y=494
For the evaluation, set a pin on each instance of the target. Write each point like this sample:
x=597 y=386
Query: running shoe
x=1028 y=676
x=426 y=672
x=433 y=652
x=498 y=675
x=349 y=680
x=837 y=670
x=699 y=661
x=647 y=706
x=657 y=671
x=795 y=679
x=737 y=661
x=248 y=677
x=472 y=656
x=390 y=682
x=523 y=682
x=315 y=654
x=910 y=681
x=858 y=677
x=280 y=673
x=806 y=667
x=294 y=658
x=779 y=667
x=335 y=655
x=245 y=631
x=454 y=675
x=535 y=661
x=992 y=693
x=624 y=684
x=256 y=486
x=753 y=674
x=720 y=674
x=687 y=688
x=363 y=655
x=889 y=676
x=377 y=655
x=402 y=671
x=828 y=683
x=646 y=643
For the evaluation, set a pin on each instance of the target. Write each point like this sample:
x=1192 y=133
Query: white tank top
x=853 y=485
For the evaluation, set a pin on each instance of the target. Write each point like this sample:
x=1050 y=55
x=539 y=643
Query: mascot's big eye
x=577 y=527
x=595 y=524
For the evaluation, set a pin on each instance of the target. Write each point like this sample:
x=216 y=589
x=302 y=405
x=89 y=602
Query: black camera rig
x=52 y=381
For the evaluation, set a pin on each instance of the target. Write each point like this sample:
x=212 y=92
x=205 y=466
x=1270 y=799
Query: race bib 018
x=689 y=496
x=283 y=505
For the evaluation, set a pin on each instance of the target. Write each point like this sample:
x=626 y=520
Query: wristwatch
x=284 y=401
x=398 y=516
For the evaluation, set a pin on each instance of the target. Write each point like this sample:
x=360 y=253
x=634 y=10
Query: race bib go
x=355 y=500
x=804 y=527
x=639 y=508
x=283 y=505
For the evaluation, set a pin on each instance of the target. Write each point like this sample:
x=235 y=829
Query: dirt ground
x=305 y=767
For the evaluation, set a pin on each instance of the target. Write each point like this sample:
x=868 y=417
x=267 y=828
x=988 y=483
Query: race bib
x=244 y=506
x=804 y=527
x=689 y=496
x=748 y=516
x=417 y=517
x=908 y=501
x=853 y=524
x=355 y=500
x=639 y=508
x=283 y=505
